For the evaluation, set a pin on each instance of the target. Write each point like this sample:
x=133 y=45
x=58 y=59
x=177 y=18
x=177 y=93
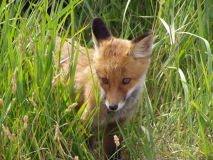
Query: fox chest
x=104 y=116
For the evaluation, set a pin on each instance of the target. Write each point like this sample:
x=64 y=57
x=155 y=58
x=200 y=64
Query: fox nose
x=113 y=107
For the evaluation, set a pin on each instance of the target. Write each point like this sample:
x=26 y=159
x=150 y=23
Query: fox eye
x=105 y=81
x=126 y=80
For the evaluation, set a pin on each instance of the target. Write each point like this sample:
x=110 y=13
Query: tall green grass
x=174 y=120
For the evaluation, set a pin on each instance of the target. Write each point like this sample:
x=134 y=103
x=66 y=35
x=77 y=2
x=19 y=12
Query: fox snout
x=113 y=107
x=114 y=104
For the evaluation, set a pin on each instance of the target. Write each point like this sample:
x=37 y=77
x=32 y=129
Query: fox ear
x=99 y=31
x=142 y=46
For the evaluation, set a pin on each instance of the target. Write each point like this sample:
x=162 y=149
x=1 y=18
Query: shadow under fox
x=119 y=67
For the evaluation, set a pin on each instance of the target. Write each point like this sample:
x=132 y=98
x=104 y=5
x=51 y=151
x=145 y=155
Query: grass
x=175 y=119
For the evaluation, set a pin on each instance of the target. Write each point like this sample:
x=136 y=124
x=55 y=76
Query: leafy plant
x=174 y=118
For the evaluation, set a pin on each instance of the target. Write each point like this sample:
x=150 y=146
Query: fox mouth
x=109 y=111
x=114 y=107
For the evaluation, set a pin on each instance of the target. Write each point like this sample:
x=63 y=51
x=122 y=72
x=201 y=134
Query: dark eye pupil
x=104 y=80
x=126 y=80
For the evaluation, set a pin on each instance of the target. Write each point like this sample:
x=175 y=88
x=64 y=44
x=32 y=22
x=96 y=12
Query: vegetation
x=175 y=119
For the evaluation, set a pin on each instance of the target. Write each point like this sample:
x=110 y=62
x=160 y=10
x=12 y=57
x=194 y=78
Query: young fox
x=119 y=66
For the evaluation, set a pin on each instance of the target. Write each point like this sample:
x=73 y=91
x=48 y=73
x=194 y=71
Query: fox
x=119 y=69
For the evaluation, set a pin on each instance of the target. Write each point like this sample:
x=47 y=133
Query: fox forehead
x=112 y=60
x=114 y=47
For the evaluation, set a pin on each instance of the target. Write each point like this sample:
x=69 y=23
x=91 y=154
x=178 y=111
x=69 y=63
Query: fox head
x=120 y=65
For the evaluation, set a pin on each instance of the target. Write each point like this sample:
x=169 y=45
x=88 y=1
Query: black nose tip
x=113 y=107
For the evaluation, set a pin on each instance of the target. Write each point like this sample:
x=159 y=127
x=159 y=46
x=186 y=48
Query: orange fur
x=115 y=60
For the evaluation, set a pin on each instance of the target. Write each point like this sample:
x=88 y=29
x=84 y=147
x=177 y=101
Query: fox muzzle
x=113 y=107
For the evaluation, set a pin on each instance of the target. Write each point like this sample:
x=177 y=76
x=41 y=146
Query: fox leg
x=109 y=144
x=91 y=141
